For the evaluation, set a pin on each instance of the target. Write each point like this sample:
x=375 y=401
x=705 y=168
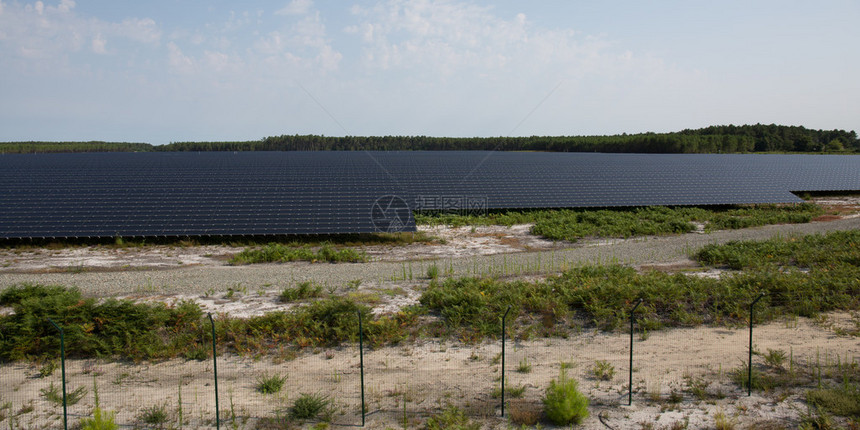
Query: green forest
x=713 y=139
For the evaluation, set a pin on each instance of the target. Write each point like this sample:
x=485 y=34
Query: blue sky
x=176 y=70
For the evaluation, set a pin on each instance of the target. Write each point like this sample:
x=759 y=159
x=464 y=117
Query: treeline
x=641 y=143
x=92 y=146
x=714 y=139
x=780 y=138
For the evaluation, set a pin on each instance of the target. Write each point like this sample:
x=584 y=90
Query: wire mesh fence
x=402 y=386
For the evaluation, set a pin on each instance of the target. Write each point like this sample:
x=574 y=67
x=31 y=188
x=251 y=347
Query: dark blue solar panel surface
x=268 y=193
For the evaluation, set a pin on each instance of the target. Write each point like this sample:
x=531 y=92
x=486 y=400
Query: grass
x=309 y=406
x=602 y=370
x=305 y=290
x=468 y=309
x=574 y=224
x=155 y=415
x=451 y=418
x=123 y=329
x=601 y=296
x=270 y=384
x=811 y=251
x=524 y=366
x=54 y=394
x=279 y=253
x=513 y=392
x=842 y=400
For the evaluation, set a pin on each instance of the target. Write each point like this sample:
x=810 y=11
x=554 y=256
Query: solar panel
x=278 y=193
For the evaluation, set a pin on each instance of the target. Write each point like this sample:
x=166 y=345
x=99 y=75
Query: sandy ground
x=412 y=382
x=449 y=242
x=405 y=384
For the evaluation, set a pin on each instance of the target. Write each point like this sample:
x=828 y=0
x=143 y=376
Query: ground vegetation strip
x=574 y=224
x=713 y=139
x=799 y=276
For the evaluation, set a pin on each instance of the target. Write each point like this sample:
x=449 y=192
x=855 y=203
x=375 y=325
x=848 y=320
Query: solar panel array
x=277 y=193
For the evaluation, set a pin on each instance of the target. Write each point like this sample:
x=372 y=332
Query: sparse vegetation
x=278 y=253
x=305 y=290
x=54 y=394
x=575 y=224
x=451 y=418
x=524 y=366
x=155 y=415
x=433 y=272
x=469 y=308
x=842 y=400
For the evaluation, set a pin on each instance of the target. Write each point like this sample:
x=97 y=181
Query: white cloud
x=99 y=44
x=46 y=37
x=310 y=31
x=178 y=61
x=143 y=30
x=429 y=38
x=66 y=6
x=296 y=7
x=328 y=58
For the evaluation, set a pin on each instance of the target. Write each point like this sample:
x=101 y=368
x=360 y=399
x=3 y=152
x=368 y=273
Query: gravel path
x=201 y=279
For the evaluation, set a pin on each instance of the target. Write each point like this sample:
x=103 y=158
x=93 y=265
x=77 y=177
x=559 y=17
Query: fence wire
x=408 y=383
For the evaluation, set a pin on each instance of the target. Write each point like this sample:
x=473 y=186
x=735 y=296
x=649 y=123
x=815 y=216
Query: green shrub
x=603 y=370
x=843 y=400
x=563 y=403
x=270 y=384
x=278 y=253
x=110 y=328
x=54 y=395
x=305 y=290
x=101 y=420
x=451 y=418
x=155 y=415
x=433 y=272
x=309 y=406
x=574 y=224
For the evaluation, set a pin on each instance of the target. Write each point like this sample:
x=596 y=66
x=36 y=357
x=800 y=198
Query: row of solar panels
x=275 y=193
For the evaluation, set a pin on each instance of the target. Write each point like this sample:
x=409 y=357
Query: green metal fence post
x=63 y=366
x=361 y=363
x=504 y=320
x=749 y=370
x=215 y=369
x=630 y=386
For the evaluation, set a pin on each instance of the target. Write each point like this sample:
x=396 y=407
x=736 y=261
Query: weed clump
x=603 y=370
x=309 y=406
x=305 y=290
x=279 y=253
x=270 y=384
x=155 y=415
x=451 y=418
x=563 y=403
x=843 y=400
